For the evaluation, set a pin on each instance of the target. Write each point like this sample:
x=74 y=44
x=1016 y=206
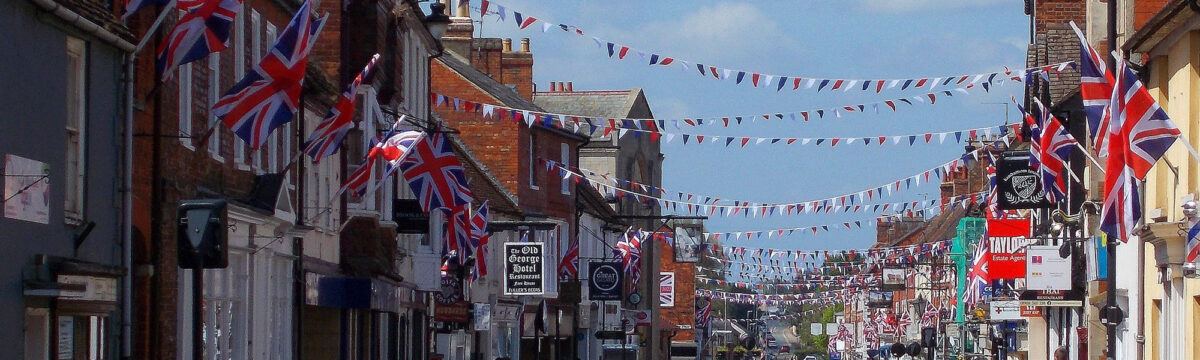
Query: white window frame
x=239 y=71
x=533 y=166
x=76 y=130
x=258 y=153
x=36 y=337
x=185 y=106
x=565 y=160
x=230 y=287
x=214 y=94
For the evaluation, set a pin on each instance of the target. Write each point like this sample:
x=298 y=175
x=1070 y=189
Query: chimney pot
x=525 y=45
x=553 y=87
x=570 y=87
x=507 y=45
x=561 y=87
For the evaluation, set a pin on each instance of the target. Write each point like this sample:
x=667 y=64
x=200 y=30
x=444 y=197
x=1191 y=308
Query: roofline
x=1144 y=39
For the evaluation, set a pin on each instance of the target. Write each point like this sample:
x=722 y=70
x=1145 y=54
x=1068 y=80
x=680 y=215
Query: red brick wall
x=1143 y=10
x=1060 y=12
x=493 y=141
x=182 y=173
x=684 y=311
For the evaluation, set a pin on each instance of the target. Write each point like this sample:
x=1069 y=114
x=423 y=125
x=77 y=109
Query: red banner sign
x=1007 y=239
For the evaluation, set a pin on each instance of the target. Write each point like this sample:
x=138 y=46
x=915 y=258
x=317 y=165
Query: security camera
x=1189 y=271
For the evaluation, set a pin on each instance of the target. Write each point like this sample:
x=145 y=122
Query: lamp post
x=1190 y=212
x=437 y=21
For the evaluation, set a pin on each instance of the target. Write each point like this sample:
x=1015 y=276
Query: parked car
x=785 y=349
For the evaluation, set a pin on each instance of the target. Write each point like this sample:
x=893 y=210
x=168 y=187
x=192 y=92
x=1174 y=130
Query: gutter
x=73 y=18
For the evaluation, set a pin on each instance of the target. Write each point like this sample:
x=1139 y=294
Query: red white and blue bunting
x=779 y=82
x=590 y=124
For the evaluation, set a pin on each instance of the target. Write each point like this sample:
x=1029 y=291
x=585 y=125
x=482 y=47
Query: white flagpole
x=154 y=27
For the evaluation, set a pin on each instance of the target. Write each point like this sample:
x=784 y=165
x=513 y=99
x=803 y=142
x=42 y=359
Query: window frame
x=214 y=95
x=75 y=129
x=565 y=160
x=533 y=166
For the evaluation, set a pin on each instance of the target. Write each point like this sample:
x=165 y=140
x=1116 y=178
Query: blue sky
x=856 y=39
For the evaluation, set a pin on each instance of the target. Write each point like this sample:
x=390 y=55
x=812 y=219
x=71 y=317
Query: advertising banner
x=524 y=268
x=1005 y=310
x=604 y=280
x=1007 y=240
x=1046 y=270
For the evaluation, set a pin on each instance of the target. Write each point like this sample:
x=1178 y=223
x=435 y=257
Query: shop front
x=69 y=310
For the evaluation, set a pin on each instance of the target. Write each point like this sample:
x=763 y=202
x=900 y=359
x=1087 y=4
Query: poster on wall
x=604 y=280
x=26 y=189
x=666 y=289
x=1007 y=241
x=687 y=244
x=524 y=268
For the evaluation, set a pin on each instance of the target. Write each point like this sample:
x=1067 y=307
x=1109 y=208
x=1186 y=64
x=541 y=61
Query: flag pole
x=1093 y=158
x=154 y=27
x=1111 y=310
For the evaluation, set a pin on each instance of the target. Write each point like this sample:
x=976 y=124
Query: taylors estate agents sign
x=604 y=280
x=524 y=268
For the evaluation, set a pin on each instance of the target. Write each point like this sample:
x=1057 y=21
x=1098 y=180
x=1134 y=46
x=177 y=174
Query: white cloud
x=922 y=5
x=724 y=33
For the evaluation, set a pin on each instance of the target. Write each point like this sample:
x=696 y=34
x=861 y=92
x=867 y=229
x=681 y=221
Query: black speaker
x=202 y=240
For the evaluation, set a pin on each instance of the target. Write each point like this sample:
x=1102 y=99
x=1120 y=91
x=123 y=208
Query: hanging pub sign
x=1018 y=185
x=604 y=280
x=1007 y=241
x=524 y=268
x=879 y=299
x=893 y=279
x=687 y=244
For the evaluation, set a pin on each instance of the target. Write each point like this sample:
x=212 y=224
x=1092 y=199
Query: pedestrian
x=1061 y=353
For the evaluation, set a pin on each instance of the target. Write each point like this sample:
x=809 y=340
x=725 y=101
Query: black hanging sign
x=524 y=268
x=604 y=280
x=1017 y=184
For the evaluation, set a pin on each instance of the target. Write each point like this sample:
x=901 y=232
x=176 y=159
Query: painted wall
x=33 y=102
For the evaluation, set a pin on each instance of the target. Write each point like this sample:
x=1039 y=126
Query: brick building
x=490 y=71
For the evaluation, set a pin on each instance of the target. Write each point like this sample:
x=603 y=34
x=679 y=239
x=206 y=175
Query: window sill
x=242 y=166
x=72 y=218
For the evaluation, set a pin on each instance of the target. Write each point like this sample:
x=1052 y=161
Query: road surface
x=783 y=335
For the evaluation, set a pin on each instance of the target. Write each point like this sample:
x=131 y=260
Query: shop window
x=37 y=334
x=76 y=337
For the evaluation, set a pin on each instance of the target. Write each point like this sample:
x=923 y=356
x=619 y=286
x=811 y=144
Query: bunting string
x=868 y=255
x=912 y=139
x=592 y=123
x=779 y=82
x=848 y=202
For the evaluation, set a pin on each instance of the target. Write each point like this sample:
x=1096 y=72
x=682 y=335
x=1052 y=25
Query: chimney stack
x=524 y=45
x=462 y=10
x=570 y=87
x=507 y=45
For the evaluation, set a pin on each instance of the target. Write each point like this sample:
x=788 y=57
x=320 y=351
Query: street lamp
x=1190 y=212
x=437 y=21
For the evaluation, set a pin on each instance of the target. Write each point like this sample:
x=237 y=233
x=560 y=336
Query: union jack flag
x=1095 y=87
x=1055 y=145
x=930 y=317
x=1193 y=243
x=393 y=149
x=458 y=234
x=704 y=316
x=629 y=250
x=568 y=266
x=204 y=28
x=1034 y=123
x=432 y=170
x=269 y=96
x=977 y=276
x=132 y=6
x=357 y=182
x=479 y=239
x=993 y=197
x=904 y=321
x=1139 y=134
x=328 y=135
